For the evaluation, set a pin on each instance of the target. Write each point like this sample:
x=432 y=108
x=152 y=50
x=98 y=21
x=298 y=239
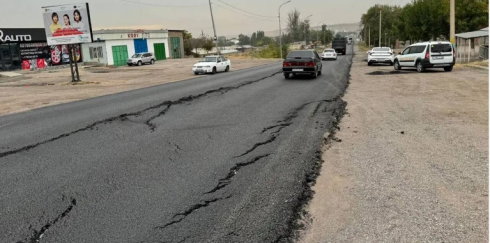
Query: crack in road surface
x=227 y=180
x=36 y=237
x=190 y=210
x=125 y=116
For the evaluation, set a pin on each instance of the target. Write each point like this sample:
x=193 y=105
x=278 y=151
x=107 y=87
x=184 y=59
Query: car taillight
x=427 y=53
x=310 y=64
x=286 y=64
x=454 y=53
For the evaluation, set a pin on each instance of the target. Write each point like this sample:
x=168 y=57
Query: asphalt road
x=224 y=158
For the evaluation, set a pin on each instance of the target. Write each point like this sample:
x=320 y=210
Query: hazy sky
x=194 y=18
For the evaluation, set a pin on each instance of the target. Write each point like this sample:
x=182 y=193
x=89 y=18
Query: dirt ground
x=45 y=88
x=411 y=164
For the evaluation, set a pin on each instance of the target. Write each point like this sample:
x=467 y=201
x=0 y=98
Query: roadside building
x=114 y=47
x=472 y=45
x=28 y=49
x=176 y=43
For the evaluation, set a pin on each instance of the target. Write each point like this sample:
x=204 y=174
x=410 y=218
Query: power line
x=160 y=5
x=242 y=13
x=247 y=11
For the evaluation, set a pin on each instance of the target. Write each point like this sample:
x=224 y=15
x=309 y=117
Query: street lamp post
x=304 y=28
x=280 y=31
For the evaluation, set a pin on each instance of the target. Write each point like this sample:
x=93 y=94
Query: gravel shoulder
x=411 y=162
x=39 y=89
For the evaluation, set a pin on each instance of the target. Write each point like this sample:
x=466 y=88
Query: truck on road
x=339 y=44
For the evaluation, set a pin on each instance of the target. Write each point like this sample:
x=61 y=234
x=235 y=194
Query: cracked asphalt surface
x=226 y=158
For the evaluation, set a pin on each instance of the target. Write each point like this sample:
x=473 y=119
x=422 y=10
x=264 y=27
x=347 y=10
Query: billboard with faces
x=67 y=24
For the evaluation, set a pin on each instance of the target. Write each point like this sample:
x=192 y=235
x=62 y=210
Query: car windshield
x=381 y=49
x=136 y=55
x=301 y=54
x=209 y=59
x=329 y=51
x=441 y=48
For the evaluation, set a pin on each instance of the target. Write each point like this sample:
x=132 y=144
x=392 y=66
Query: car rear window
x=441 y=48
x=381 y=49
x=302 y=54
x=329 y=51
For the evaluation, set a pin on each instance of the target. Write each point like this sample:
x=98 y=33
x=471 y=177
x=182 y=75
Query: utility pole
x=317 y=30
x=452 y=22
x=214 y=28
x=280 y=31
x=379 y=28
x=369 y=37
x=304 y=29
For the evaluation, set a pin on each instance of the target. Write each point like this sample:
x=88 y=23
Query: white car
x=212 y=64
x=427 y=55
x=329 y=54
x=381 y=55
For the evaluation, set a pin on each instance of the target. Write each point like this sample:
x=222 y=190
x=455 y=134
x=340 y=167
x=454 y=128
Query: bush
x=272 y=51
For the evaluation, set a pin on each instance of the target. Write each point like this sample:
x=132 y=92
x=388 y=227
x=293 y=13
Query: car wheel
x=369 y=64
x=420 y=67
x=448 y=69
x=227 y=68
x=152 y=62
x=286 y=75
x=214 y=70
x=140 y=63
x=397 y=65
x=196 y=73
x=315 y=75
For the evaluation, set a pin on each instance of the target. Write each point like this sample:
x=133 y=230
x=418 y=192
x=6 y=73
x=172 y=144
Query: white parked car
x=427 y=55
x=381 y=55
x=329 y=53
x=212 y=64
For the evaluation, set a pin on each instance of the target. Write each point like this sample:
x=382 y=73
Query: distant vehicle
x=141 y=58
x=329 y=53
x=212 y=64
x=349 y=41
x=302 y=62
x=381 y=55
x=339 y=44
x=427 y=55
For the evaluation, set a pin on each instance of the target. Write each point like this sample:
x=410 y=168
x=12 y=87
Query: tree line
x=422 y=20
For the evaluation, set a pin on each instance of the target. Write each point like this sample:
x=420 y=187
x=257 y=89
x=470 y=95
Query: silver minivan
x=141 y=58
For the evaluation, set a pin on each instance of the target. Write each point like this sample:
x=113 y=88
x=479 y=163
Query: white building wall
x=86 y=52
x=162 y=40
x=111 y=43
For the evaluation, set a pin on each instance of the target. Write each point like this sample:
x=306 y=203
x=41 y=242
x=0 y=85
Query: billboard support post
x=70 y=56
x=77 y=78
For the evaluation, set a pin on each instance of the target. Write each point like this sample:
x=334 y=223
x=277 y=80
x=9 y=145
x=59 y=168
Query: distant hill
x=349 y=27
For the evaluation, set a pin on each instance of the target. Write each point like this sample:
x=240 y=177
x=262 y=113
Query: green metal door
x=120 y=55
x=175 y=47
x=160 y=51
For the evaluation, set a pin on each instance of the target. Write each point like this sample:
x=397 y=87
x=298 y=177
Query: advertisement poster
x=67 y=24
x=34 y=50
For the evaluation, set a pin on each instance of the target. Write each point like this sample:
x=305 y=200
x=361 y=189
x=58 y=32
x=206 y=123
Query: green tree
x=293 y=26
x=208 y=44
x=243 y=39
x=188 y=43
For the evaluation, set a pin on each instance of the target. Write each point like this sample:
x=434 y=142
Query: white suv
x=427 y=55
